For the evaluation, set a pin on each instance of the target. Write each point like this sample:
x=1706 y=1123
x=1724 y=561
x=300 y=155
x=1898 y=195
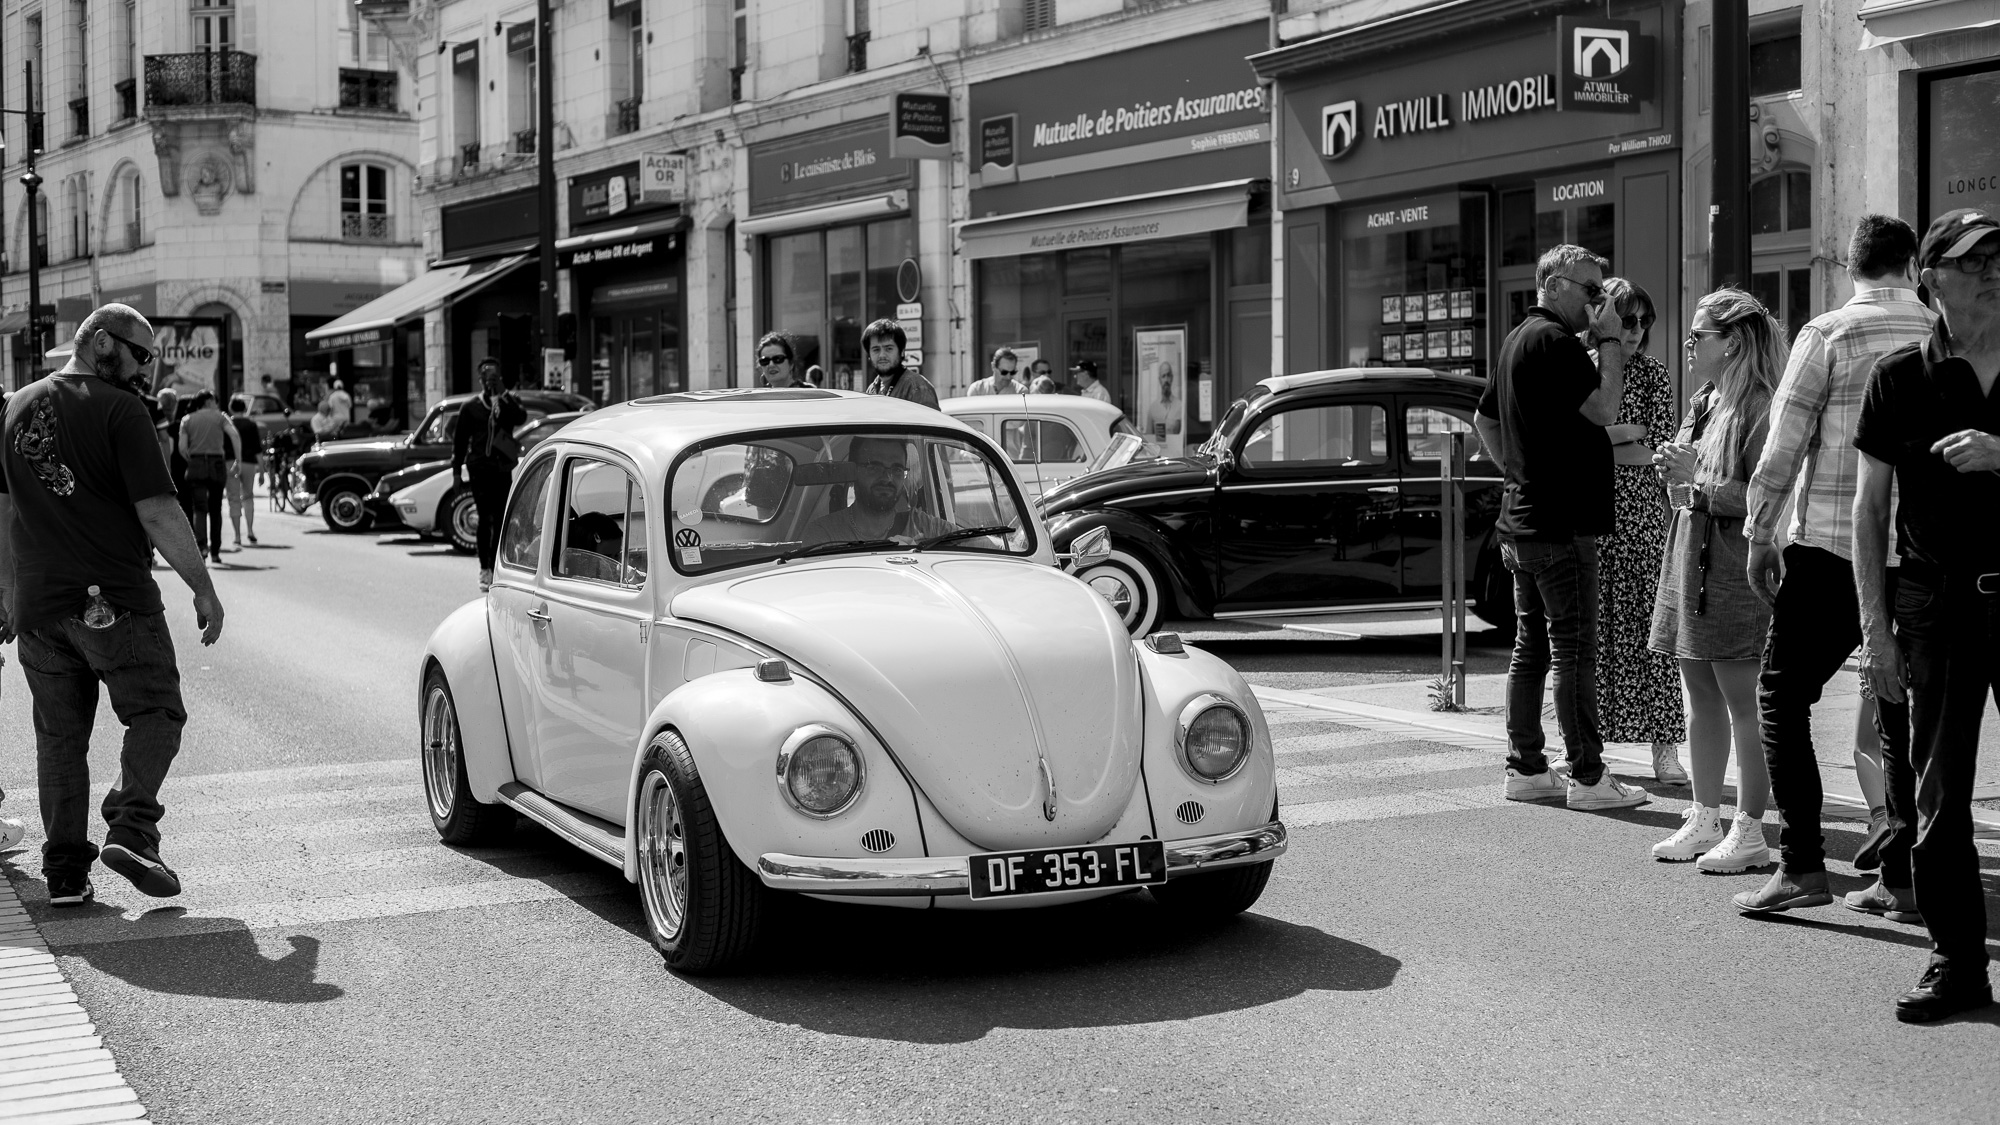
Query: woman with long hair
x=776 y=361
x=1705 y=614
x=1638 y=690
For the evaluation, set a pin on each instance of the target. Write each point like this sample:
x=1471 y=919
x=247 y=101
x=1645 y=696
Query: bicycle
x=287 y=480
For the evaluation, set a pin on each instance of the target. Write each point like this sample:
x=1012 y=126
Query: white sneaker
x=1608 y=793
x=1741 y=850
x=1702 y=831
x=1543 y=786
x=1667 y=764
x=11 y=832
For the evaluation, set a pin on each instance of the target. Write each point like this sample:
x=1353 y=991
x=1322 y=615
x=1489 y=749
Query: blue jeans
x=1555 y=611
x=64 y=661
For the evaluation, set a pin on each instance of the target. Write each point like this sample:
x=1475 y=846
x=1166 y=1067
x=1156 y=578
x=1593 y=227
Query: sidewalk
x=1406 y=704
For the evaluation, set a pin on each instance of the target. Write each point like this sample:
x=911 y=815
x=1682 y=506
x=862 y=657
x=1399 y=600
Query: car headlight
x=819 y=771
x=1214 y=736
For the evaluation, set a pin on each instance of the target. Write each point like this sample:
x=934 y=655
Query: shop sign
x=331 y=298
x=662 y=177
x=1602 y=67
x=920 y=127
x=521 y=37
x=1192 y=96
x=138 y=297
x=632 y=250
x=629 y=291
x=465 y=56
x=508 y=221
x=614 y=194
x=1397 y=216
x=1962 y=149
x=1579 y=189
x=838 y=163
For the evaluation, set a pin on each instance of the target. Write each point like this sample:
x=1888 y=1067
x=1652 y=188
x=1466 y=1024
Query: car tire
x=458 y=818
x=458 y=518
x=1494 y=603
x=1212 y=895
x=344 y=507
x=703 y=908
x=1132 y=587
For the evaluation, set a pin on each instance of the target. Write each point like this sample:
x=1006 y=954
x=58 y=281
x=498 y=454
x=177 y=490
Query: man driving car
x=878 y=510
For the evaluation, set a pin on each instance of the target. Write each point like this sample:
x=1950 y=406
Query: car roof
x=524 y=392
x=1073 y=405
x=1278 y=384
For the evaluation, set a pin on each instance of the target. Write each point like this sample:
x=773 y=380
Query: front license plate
x=999 y=874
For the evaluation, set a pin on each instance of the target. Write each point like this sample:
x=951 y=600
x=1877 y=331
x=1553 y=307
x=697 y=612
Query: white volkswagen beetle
x=748 y=642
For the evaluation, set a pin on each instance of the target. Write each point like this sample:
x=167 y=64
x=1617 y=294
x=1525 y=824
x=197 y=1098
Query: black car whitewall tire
x=458 y=518
x=343 y=504
x=457 y=817
x=703 y=908
x=1131 y=586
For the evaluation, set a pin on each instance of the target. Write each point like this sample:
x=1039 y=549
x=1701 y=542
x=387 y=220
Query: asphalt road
x=1425 y=952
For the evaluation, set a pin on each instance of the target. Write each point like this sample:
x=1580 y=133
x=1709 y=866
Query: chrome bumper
x=947 y=875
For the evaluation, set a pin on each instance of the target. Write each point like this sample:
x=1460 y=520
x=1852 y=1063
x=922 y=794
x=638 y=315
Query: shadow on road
x=952 y=977
x=225 y=965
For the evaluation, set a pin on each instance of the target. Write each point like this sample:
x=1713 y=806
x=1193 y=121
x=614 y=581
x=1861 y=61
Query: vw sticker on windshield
x=689 y=542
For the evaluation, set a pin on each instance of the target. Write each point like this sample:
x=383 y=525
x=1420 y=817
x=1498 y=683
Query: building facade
x=238 y=170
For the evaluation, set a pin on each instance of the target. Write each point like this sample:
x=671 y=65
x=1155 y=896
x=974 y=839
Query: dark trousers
x=204 y=508
x=1948 y=632
x=1815 y=625
x=1555 y=612
x=489 y=481
x=64 y=662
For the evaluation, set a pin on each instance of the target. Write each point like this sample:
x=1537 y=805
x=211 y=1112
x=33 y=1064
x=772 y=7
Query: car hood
x=1137 y=476
x=973 y=670
x=354 y=449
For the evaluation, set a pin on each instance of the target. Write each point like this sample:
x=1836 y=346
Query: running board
x=600 y=838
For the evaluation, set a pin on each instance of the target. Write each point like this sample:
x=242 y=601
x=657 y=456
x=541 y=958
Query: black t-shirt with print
x=77 y=454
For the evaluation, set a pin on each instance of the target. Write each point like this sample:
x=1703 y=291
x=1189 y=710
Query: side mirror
x=1093 y=546
x=1224 y=462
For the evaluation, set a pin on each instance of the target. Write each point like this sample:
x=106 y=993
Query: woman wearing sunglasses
x=1638 y=690
x=1705 y=613
x=776 y=363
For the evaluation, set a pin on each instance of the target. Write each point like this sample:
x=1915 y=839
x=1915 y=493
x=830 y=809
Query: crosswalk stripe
x=1389 y=806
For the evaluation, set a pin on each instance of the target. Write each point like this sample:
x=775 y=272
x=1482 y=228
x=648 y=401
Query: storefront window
x=1961 y=161
x=825 y=286
x=1415 y=292
x=798 y=292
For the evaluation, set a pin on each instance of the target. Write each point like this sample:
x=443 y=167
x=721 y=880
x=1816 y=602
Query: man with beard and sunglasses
x=882 y=468
x=84 y=498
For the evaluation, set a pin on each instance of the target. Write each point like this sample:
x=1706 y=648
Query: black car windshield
x=1232 y=421
x=776 y=497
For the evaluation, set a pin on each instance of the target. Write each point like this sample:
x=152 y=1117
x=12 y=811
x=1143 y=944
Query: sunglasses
x=1592 y=291
x=1635 y=321
x=772 y=360
x=140 y=354
x=1695 y=334
x=1974 y=263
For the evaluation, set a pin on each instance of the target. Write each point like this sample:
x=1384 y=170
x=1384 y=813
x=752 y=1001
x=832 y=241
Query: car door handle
x=1387 y=488
x=539 y=616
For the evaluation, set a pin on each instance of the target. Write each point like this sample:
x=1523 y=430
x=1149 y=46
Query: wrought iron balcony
x=79 y=118
x=201 y=78
x=857 y=52
x=365 y=228
x=627 y=118
x=367 y=89
x=524 y=142
x=468 y=158
x=736 y=83
x=128 y=98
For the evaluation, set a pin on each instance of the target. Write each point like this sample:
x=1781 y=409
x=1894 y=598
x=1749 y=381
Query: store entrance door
x=1088 y=337
x=635 y=352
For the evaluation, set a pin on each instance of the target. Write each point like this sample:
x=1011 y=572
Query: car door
x=590 y=686
x=1060 y=452
x=1306 y=515
x=511 y=606
x=1427 y=425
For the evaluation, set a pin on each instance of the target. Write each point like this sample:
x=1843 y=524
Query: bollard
x=1451 y=518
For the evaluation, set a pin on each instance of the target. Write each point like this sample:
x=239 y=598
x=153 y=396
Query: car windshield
x=1232 y=421
x=744 y=500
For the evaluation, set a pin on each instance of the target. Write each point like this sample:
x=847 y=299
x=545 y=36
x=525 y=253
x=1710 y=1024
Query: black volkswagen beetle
x=1317 y=492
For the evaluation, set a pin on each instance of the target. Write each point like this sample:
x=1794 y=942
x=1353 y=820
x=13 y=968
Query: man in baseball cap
x=1086 y=380
x=1954 y=233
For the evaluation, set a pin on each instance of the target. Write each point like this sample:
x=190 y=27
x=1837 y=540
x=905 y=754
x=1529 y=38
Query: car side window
x=1427 y=432
x=1348 y=435
x=1060 y=444
x=438 y=430
x=599 y=532
x=1017 y=437
x=521 y=531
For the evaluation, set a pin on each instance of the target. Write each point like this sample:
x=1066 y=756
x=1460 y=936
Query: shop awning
x=13 y=322
x=1134 y=218
x=846 y=211
x=622 y=244
x=1891 y=21
x=375 y=322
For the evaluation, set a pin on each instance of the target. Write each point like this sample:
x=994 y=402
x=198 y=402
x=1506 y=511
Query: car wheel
x=703 y=907
x=1129 y=584
x=457 y=817
x=1494 y=603
x=1214 y=894
x=344 y=507
x=461 y=521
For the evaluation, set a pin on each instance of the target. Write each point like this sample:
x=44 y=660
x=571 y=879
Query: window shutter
x=1038 y=15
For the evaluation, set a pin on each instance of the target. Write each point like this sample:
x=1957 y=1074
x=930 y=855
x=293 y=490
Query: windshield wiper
x=962 y=533
x=835 y=547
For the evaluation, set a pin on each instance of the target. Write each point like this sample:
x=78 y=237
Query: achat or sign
x=663 y=177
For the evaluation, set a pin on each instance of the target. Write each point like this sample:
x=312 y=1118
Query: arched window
x=364 y=203
x=1781 y=217
x=129 y=211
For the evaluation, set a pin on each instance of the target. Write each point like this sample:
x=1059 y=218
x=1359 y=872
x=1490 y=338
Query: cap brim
x=1969 y=239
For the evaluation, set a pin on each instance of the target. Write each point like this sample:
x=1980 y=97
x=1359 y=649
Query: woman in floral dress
x=1638 y=690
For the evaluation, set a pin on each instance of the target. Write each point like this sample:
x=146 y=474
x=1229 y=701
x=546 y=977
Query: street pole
x=545 y=169
x=1729 y=199
x=37 y=347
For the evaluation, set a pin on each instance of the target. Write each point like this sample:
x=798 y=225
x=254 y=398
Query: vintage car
x=424 y=499
x=1317 y=492
x=1050 y=438
x=341 y=474
x=861 y=674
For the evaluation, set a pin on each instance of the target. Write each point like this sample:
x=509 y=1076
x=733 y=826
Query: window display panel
x=1162 y=286
x=798 y=293
x=1416 y=283
x=1019 y=300
x=844 y=312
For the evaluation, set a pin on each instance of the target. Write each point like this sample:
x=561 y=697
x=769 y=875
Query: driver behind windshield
x=880 y=509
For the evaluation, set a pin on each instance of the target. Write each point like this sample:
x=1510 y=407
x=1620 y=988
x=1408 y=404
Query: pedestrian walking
x=1705 y=615
x=1638 y=690
x=83 y=493
x=1004 y=365
x=1543 y=419
x=243 y=482
x=884 y=342
x=209 y=444
x=776 y=361
x=1816 y=617
x=484 y=452
x=1931 y=417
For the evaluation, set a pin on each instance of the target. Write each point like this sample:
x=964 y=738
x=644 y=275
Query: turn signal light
x=774 y=671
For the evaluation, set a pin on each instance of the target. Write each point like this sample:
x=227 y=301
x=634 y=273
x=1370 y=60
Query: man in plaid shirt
x=1816 y=618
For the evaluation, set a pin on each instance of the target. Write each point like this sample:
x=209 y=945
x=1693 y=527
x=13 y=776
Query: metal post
x=1729 y=198
x=1456 y=487
x=545 y=179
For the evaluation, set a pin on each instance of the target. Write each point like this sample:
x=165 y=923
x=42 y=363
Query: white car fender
x=1243 y=800
x=463 y=648
x=735 y=724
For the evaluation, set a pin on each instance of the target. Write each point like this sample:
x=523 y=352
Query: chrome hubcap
x=663 y=873
x=346 y=508
x=465 y=521
x=1114 y=589
x=440 y=752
